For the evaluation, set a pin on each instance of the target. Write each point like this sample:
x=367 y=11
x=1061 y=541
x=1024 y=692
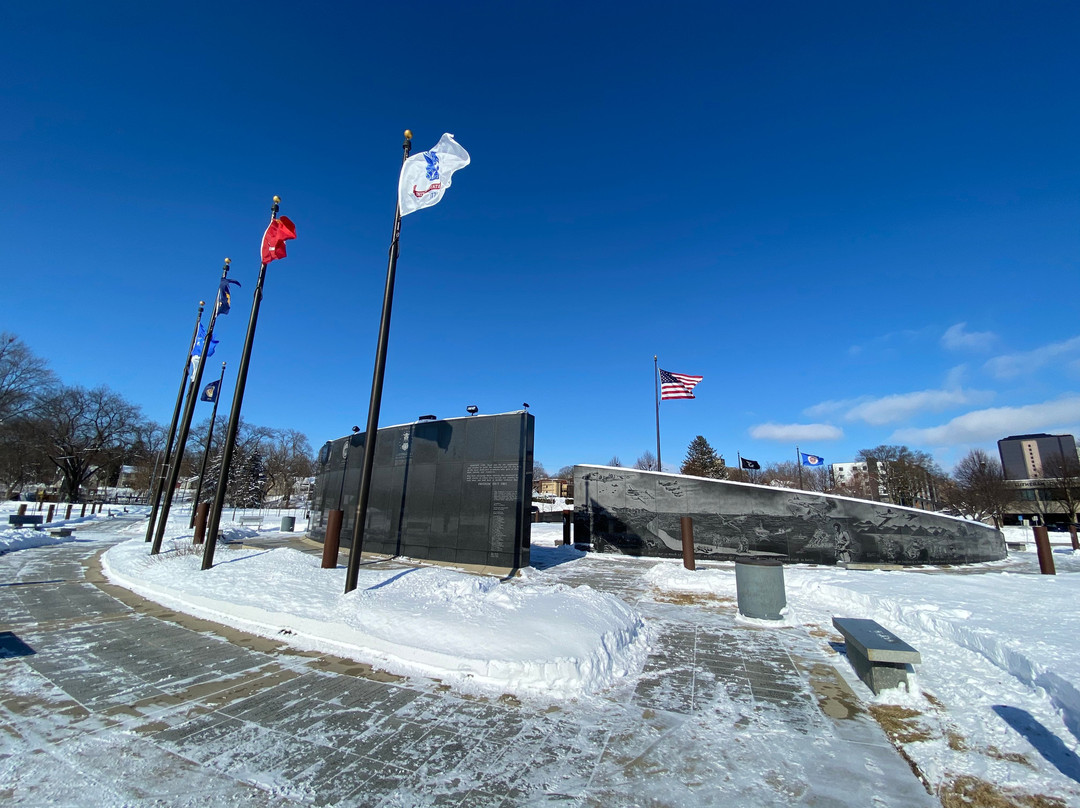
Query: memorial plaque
x=457 y=490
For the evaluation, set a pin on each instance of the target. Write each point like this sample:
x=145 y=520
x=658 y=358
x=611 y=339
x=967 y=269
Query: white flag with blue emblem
x=426 y=176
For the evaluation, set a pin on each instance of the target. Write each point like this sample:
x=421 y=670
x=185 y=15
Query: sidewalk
x=106 y=699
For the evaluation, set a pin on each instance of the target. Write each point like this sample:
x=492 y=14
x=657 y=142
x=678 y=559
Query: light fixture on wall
x=472 y=409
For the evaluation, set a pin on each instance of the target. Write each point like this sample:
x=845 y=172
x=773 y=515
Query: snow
x=421 y=620
x=997 y=691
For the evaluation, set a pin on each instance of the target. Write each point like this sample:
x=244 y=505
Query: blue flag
x=224 y=297
x=210 y=392
x=812 y=460
x=197 y=348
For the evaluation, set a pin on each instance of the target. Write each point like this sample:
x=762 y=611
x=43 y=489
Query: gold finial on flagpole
x=228 y=261
x=408 y=134
x=277 y=199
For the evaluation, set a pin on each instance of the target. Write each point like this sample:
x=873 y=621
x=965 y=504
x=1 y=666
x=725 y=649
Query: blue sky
x=859 y=222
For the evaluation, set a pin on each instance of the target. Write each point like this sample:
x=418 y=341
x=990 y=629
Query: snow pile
x=477 y=632
x=25 y=537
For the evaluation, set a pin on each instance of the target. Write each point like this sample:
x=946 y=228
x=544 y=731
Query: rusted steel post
x=67 y=513
x=567 y=520
x=201 y=513
x=22 y=509
x=52 y=510
x=1072 y=535
x=687 y=525
x=1042 y=544
x=333 y=539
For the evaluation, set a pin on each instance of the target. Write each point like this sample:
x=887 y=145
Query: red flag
x=277 y=233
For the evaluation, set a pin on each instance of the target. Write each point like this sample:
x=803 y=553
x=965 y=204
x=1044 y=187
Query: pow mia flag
x=750 y=464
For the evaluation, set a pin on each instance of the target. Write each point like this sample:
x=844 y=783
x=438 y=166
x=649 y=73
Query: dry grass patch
x=900 y=723
x=692 y=598
x=971 y=792
x=1012 y=757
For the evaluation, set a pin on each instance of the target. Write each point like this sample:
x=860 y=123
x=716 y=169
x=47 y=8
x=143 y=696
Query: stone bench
x=880 y=658
x=61 y=532
x=22 y=520
x=250 y=520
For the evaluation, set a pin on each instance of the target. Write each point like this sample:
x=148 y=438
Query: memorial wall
x=638 y=513
x=457 y=490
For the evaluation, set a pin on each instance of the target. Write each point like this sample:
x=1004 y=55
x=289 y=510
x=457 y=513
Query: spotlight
x=472 y=409
x=525 y=405
x=427 y=418
x=355 y=429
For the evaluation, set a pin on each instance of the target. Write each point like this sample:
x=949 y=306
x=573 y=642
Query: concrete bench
x=250 y=520
x=880 y=658
x=22 y=520
x=61 y=532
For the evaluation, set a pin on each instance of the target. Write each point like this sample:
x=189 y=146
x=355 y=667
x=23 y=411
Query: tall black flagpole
x=159 y=479
x=185 y=423
x=234 y=415
x=656 y=383
x=376 y=395
x=206 y=451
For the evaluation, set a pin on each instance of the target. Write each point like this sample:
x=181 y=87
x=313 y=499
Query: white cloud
x=957 y=339
x=1008 y=366
x=794 y=432
x=998 y=422
x=900 y=406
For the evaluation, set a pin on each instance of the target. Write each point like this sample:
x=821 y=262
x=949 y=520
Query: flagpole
x=353 y=572
x=185 y=423
x=206 y=451
x=159 y=480
x=798 y=464
x=234 y=414
x=656 y=385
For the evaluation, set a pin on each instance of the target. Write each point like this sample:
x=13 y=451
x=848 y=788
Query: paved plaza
x=107 y=699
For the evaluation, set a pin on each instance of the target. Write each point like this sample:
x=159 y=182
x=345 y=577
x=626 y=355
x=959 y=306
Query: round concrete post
x=759 y=587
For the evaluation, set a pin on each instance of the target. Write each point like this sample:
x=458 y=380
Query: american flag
x=677 y=385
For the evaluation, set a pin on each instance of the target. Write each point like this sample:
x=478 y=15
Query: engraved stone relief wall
x=638 y=513
x=457 y=490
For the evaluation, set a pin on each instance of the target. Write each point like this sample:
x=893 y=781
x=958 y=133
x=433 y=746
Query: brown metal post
x=1072 y=535
x=52 y=510
x=67 y=513
x=82 y=513
x=333 y=539
x=201 y=513
x=1042 y=544
x=22 y=509
x=567 y=520
x=687 y=525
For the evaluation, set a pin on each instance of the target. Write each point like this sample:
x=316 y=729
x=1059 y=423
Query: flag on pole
x=277 y=233
x=677 y=385
x=426 y=176
x=197 y=348
x=750 y=464
x=224 y=297
x=812 y=460
x=210 y=392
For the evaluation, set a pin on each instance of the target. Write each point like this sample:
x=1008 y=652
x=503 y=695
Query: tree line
x=68 y=437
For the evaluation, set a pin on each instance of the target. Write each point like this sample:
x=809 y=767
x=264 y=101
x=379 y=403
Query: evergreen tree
x=703 y=461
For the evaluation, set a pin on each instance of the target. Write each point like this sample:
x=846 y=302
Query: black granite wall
x=638 y=513
x=457 y=490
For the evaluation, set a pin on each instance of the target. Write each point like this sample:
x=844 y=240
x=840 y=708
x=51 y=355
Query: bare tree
x=24 y=377
x=565 y=473
x=647 y=462
x=908 y=476
x=979 y=488
x=287 y=461
x=83 y=431
x=781 y=475
x=615 y=461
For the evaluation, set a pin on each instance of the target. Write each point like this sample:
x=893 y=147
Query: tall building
x=1023 y=456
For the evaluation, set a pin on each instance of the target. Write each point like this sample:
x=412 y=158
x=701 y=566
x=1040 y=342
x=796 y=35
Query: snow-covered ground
x=996 y=697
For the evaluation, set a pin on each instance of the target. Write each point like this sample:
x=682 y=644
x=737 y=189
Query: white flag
x=426 y=176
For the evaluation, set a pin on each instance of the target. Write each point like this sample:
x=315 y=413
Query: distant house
x=555 y=488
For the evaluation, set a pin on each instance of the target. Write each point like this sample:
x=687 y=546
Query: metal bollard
x=52 y=510
x=1072 y=535
x=567 y=520
x=333 y=539
x=687 y=525
x=22 y=509
x=1042 y=544
x=67 y=513
x=202 y=512
x=83 y=512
